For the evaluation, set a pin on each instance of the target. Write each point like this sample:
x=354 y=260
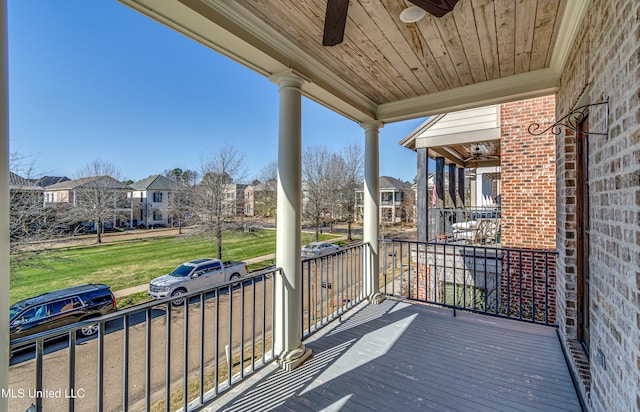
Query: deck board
x=399 y=356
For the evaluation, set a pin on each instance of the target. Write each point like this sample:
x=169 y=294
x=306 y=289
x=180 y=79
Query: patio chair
x=487 y=230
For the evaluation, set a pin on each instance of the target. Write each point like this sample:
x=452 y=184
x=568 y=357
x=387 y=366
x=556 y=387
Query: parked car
x=194 y=275
x=317 y=249
x=60 y=308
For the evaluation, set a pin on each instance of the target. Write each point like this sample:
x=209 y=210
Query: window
x=157 y=196
x=209 y=267
x=157 y=215
x=64 y=305
x=469 y=297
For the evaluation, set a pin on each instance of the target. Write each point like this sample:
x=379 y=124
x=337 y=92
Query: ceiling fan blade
x=334 y=22
x=436 y=7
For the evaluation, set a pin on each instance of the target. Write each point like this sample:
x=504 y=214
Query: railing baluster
x=242 y=313
x=167 y=357
x=264 y=315
x=185 y=357
x=100 y=385
x=126 y=322
x=253 y=324
x=147 y=379
x=520 y=277
x=546 y=287
x=229 y=349
x=533 y=286
x=509 y=282
x=38 y=383
x=216 y=344
x=201 y=365
x=72 y=369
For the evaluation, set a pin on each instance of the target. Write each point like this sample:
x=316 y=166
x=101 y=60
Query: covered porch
x=410 y=356
x=385 y=71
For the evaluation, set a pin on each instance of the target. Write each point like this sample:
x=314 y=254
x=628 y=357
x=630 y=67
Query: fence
x=506 y=282
x=148 y=357
x=332 y=285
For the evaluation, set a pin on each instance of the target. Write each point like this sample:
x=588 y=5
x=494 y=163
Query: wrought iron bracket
x=571 y=121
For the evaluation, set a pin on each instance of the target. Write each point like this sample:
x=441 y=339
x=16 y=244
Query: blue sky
x=95 y=80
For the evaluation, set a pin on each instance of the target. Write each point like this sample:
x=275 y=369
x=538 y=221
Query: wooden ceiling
x=483 y=52
x=390 y=61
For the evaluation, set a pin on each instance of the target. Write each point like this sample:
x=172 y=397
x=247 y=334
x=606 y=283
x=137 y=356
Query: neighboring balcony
x=421 y=348
x=480 y=226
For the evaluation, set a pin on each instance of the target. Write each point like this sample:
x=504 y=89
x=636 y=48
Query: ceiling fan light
x=412 y=14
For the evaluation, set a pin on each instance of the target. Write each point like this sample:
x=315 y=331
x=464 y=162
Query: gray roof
x=387 y=182
x=88 y=182
x=156 y=182
x=18 y=182
x=45 y=181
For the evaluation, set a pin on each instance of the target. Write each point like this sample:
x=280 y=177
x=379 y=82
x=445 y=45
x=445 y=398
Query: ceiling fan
x=336 y=16
x=477 y=155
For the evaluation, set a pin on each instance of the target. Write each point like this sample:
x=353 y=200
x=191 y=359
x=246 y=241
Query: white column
x=4 y=208
x=288 y=294
x=371 y=209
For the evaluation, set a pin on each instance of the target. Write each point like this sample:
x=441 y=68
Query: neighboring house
x=152 y=201
x=24 y=192
x=18 y=183
x=250 y=194
x=68 y=193
x=234 y=199
x=259 y=200
x=507 y=168
x=396 y=201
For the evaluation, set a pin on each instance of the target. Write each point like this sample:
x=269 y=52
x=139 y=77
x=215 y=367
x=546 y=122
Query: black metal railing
x=332 y=285
x=155 y=356
x=448 y=222
x=505 y=282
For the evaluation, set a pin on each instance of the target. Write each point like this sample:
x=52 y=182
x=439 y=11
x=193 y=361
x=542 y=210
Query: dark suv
x=60 y=308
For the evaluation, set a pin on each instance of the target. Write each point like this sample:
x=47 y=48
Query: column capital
x=288 y=78
x=372 y=125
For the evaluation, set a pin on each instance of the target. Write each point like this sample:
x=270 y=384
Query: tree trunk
x=219 y=238
x=349 y=238
x=98 y=226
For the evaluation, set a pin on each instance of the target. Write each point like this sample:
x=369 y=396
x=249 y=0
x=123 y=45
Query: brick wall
x=527 y=168
x=528 y=284
x=604 y=62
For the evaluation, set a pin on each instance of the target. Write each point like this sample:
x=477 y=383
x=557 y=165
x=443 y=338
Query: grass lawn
x=127 y=264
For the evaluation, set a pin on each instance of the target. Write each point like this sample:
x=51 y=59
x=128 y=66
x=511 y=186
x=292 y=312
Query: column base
x=376 y=299
x=291 y=360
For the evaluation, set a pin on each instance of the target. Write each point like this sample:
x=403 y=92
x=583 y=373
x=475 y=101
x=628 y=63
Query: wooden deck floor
x=400 y=357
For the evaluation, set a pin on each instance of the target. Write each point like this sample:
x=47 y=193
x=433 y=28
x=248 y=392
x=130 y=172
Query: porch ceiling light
x=412 y=14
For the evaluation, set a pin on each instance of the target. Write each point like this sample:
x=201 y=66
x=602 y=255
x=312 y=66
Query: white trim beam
x=513 y=88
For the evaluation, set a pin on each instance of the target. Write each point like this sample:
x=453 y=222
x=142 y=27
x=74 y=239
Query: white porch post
x=288 y=294
x=4 y=208
x=371 y=209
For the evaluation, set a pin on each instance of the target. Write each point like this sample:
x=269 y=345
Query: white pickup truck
x=194 y=275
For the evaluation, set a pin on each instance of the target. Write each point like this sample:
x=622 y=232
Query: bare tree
x=334 y=184
x=30 y=223
x=315 y=177
x=98 y=195
x=352 y=177
x=265 y=198
x=181 y=197
x=215 y=196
